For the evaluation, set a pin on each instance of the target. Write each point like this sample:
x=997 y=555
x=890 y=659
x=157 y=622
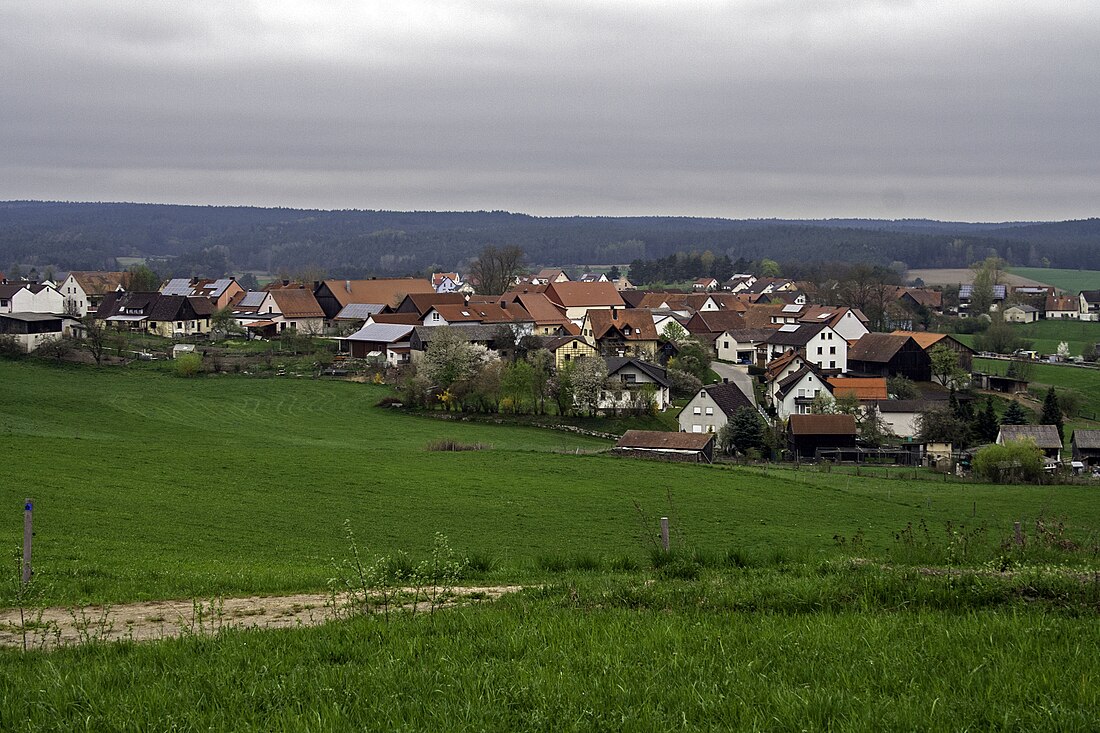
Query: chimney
x=286 y=282
x=347 y=285
x=614 y=314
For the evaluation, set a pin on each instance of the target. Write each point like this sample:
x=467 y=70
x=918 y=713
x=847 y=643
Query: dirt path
x=59 y=626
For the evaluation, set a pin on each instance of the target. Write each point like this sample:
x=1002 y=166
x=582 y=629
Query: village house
x=420 y=340
x=1089 y=305
x=296 y=309
x=619 y=332
x=631 y=383
x=740 y=346
x=818 y=343
x=654 y=444
x=1062 y=307
x=170 y=316
x=900 y=417
x=567 y=349
x=548 y=275
x=383 y=342
x=578 y=298
x=712 y=407
x=966 y=294
x=30 y=297
x=795 y=393
x=929 y=340
x=705 y=284
x=83 y=290
x=1021 y=313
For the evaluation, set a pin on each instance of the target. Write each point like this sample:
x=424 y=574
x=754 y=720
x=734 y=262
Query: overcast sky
x=962 y=109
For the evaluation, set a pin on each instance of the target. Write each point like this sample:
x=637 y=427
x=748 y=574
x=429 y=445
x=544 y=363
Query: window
x=801 y=392
x=819 y=350
x=830 y=335
x=179 y=324
x=832 y=365
x=435 y=316
x=710 y=410
x=697 y=411
x=832 y=349
x=696 y=428
x=710 y=428
x=725 y=344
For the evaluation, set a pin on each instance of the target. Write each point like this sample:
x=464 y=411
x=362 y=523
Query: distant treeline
x=184 y=240
x=685 y=266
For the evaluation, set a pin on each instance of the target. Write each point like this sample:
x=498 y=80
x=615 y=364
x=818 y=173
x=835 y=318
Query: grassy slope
x=150 y=486
x=1046 y=335
x=1072 y=281
x=1086 y=381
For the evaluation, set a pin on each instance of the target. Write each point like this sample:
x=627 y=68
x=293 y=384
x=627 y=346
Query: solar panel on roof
x=789 y=328
x=792 y=308
x=826 y=315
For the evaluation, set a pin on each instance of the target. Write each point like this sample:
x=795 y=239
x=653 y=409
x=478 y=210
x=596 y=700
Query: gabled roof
x=716 y=321
x=1087 y=439
x=748 y=335
x=99 y=282
x=556 y=342
x=821 y=425
x=539 y=307
x=863 y=388
x=549 y=273
x=794 y=334
x=481 y=313
x=213 y=288
x=633 y=298
x=923 y=296
x=657 y=440
x=878 y=348
x=631 y=324
x=927 y=339
x=760 y=316
x=179 y=307
x=966 y=290
x=386 y=333
x=297 y=304
x=1022 y=307
x=383 y=290
x=1062 y=303
x=359 y=311
x=1045 y=436
x=779 y=363
x=653 y=371
x=405 y=318
x=439 y=277
x=1090 y=296
x=251 y=299
x=470 y=331
x=792 y=380
x=177 y=286
x=729 y=397
x=895 y=406
x=421 y=303
x=584 y=295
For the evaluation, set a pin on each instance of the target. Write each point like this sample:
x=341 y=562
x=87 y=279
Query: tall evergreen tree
x=1052 y=413
x=1014 y=415
x=985 y=423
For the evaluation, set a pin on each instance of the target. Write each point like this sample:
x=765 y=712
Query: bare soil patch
x=59 y=626
x=962 y=275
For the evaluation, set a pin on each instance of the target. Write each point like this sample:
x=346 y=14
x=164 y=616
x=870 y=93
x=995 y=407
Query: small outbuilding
x=1086 y=446
x=1044 y=436
x=808 y=433
x=685 y=447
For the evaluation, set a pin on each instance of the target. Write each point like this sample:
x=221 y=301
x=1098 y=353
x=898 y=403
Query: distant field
x=958 y=276
x=1046 y=335
x=1072 y=281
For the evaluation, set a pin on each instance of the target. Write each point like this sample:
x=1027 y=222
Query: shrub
x=453 y=445
x=1013 y=462
x=188 y=365
x=683 y=384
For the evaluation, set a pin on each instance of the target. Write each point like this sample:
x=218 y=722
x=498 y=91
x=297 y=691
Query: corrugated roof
x=657 y=440
x=386 y=333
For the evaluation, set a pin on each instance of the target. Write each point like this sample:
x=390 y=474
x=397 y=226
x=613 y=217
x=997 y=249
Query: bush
x=10 y=348
x=1014 y=462
x=188 y=365
x=453 y=445
x=683 y=384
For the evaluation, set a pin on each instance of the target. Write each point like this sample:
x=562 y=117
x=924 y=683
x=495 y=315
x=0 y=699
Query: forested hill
x=212 y=240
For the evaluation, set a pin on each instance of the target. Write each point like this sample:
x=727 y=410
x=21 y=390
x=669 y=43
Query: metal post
x=28 y=533
x=664 y=533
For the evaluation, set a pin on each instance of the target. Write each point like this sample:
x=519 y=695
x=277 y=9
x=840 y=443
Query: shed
x=686 y=447
x=1044 y=436
x=1086 y=446
x=806 y=434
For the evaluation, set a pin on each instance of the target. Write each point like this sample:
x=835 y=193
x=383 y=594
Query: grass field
x=1085 y=381
x=795 y=600
x=1045 y=336
x=1072 y=281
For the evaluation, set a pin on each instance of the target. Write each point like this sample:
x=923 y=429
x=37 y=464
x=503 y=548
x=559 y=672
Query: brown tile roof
x=403 y=318
x=779 y=363
x=296 y=303
x=383 y=290
x=482 y=313
x=822 y=425
x=923 y=296
x=864 y=388
x=716 y=322
x=639 y=323
x=100 y=282
x=422 y=302
x=657 y=440
x=924 y=339
x=877 y=348
x=581 y=295
x=540 y=308
x=1045 y=436
x=1062 y=303
x=760 y=316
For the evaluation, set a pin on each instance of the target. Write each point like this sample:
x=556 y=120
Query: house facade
x=711 y=408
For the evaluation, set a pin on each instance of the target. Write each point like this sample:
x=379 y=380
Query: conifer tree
x=1052 y=412
x=1014 y=415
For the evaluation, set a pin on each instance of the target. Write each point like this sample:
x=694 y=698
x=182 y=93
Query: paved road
x=738 y=376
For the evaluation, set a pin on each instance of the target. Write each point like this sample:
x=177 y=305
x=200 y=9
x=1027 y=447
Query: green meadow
x=793 y=600
x=1072 y=281
x=1045 y=336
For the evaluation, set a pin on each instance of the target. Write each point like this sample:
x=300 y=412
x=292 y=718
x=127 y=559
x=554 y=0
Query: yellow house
x=568 y=349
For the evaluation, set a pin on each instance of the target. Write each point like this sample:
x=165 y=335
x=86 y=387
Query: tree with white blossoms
x=451 y=358
x=1063 y=350
x=588 y=378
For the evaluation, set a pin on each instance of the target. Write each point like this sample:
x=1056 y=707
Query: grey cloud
x=738 y=109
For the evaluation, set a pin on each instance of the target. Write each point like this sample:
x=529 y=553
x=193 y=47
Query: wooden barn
x=685 y=447
x=807 y=433
x=890 y=355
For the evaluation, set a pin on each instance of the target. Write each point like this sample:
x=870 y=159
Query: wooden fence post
x=664 y=533
x=28 y=533
x=1019 y=532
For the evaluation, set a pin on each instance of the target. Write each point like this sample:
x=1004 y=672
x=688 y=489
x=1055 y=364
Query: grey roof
x=901 y=405
x=177 y=286
x=1088 y=439
x=800 y=336
x=789 y=383
x=218 y=287
x=359 y=311
x=387 y=333
x=29 y=317
x=655 y=372
x=252 y=299
x=1045 y=436
x=469 y=331
x=1023 y=307
x=728 y=397
x=999 y=291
